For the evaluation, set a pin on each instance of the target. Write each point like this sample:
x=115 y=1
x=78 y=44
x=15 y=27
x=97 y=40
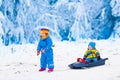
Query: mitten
x=84 y=57
x=98 y=58
x=38 y=52
x=42 y=51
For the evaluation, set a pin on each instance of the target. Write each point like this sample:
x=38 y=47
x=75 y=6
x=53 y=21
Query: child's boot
x=42 y=69
x=50 y=70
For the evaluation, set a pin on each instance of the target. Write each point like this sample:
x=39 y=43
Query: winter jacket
x=94 y=53
x=45 y=44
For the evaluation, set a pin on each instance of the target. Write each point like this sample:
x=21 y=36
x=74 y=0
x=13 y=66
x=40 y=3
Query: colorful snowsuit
x=91 y=55
x=47 y=57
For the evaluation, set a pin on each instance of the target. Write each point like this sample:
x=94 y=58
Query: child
x=45 y=48
x=91 y=55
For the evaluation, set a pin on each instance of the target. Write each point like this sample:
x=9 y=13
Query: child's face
x=42 y=34
x=90 y=47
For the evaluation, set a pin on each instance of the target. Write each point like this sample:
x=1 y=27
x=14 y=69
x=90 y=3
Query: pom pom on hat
x=92 y=44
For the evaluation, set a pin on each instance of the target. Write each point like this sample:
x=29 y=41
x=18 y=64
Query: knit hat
x=92 y=44
x=44 y=31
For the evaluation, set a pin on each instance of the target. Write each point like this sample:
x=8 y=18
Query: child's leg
x=88 y=60
x=91 y=60
x=50 y=62
x=43 y=61
x=95 y=59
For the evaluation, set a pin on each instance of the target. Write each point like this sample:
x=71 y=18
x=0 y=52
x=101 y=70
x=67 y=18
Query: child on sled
x=91 y=54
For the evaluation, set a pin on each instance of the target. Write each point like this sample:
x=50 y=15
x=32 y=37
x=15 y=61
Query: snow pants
x=46 y=60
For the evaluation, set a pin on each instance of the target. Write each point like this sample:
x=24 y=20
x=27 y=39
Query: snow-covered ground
x=20 y=62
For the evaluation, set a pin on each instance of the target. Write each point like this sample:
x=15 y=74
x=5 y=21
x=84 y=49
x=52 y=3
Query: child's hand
x=38 y=52
x=43 y=51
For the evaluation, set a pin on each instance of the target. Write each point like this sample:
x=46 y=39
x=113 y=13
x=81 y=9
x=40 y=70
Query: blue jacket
x=45 y=44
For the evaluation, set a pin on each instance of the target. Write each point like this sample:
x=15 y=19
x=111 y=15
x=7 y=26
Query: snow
x=115 y=4
x=20 y=62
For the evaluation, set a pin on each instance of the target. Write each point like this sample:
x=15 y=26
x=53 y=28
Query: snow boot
x=42 y=69
x=82 y=60
x=50 y=70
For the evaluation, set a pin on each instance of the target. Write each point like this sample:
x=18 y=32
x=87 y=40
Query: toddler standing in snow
x=45 y=48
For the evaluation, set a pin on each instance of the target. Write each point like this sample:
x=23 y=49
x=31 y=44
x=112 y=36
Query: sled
x=80 y=65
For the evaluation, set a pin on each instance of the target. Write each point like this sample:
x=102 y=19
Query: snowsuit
x=91 y=55
x=47 y=57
